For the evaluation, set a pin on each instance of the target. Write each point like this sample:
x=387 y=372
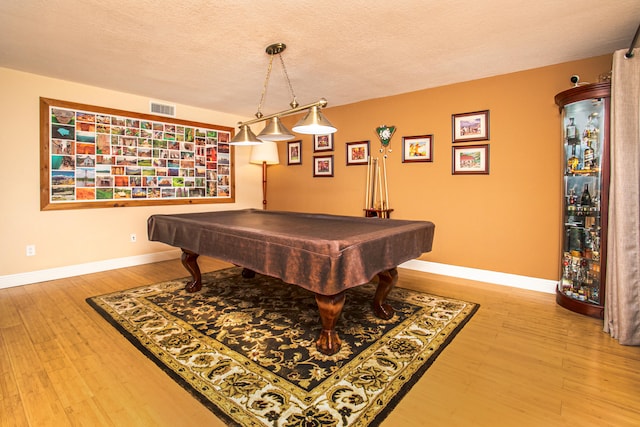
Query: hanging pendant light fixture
x=275 y=131
x=313 y=123
x=245 y=137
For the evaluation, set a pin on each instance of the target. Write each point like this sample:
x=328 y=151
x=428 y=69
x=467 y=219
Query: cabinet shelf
x=578 y=172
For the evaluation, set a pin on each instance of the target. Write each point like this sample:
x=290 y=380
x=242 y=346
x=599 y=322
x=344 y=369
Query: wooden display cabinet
x=585 y=113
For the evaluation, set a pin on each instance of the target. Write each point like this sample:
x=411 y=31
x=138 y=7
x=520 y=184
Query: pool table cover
x=323 y=253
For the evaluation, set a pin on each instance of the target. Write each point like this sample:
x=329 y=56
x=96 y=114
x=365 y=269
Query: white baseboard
x=79 y=269
x=513 y=280
x=493 y=277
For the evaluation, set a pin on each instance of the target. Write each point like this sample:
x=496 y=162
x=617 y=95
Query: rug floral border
x=360 y=392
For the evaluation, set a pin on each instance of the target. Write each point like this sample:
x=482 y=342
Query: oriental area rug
x=246 y=347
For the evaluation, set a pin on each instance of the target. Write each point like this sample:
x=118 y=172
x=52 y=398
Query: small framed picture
x=357 y=153
x=294 y=152
x=322 y=166
x=470 y=160
x=417 y=148
x=323 y=142
x=470 y=126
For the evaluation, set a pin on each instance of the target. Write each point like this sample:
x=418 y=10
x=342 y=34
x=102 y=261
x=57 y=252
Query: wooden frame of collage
x=96 y=157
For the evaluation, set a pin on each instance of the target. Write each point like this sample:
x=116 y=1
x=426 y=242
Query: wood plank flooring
x=521 y=361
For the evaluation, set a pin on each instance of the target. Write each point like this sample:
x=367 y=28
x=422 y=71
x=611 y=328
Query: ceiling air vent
x=164 y=109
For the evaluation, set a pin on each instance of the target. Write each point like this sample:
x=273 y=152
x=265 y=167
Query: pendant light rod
x=322 y=102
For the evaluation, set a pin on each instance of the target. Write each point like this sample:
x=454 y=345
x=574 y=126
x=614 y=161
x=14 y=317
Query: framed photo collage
x=98 y=157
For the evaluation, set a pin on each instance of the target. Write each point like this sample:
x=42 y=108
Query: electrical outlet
x=133 y=238
x=31 y=250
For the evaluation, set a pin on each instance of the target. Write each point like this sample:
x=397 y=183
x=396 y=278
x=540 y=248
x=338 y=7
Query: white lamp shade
x=265 y=152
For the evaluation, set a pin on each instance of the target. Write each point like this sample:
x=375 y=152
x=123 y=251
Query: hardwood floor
x=521 y=361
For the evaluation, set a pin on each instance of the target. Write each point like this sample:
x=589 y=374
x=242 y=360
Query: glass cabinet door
x=585 y=184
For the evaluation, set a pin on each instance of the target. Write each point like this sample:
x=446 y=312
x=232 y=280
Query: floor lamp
x=264 y=154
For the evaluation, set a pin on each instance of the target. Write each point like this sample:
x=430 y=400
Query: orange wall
x=507 y=221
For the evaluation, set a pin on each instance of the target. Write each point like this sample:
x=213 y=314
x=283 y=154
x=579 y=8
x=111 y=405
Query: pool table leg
x=330 y=307
x=248 y=274
x=386 y=281
x=190 y=262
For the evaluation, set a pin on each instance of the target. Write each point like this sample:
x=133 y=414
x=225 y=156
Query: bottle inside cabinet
x=581 y=251
x=585 y=184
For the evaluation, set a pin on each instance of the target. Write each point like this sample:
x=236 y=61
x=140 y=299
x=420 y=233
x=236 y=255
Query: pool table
x=326 y=254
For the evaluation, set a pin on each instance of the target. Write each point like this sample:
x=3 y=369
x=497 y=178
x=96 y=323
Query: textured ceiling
x=211 y=54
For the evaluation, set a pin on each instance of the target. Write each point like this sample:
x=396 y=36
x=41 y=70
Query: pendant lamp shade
x=245 y=137
x=314 y=123
x=275 y=131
